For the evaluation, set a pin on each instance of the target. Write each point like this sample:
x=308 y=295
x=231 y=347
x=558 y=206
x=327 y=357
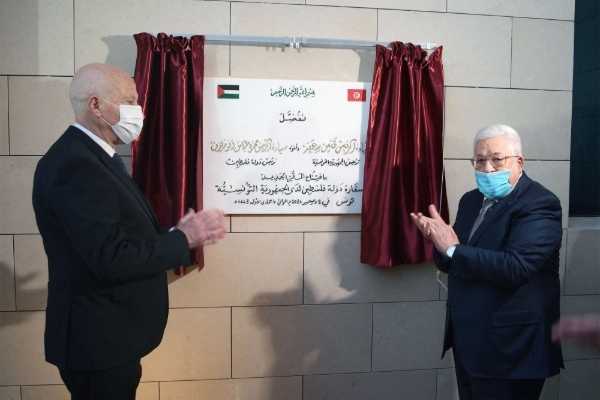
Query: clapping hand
x=203 y=227
x=435 y=229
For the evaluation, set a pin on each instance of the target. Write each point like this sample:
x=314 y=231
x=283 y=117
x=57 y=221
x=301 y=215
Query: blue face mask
x=494 y=185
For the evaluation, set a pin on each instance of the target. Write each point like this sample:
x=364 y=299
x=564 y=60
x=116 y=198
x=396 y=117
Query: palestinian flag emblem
x=228 y=91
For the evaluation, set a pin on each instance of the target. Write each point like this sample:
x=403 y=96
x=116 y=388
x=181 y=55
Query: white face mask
x=131 y=121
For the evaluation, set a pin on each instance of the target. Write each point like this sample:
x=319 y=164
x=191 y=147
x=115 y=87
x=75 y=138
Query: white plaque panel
x=284 y=147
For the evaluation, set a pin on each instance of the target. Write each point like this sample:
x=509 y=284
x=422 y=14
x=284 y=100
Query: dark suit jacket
x=503 y=285
x=107 y=257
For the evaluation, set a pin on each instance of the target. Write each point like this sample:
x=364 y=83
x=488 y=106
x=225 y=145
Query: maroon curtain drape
x=404 y=160
x=166 y=160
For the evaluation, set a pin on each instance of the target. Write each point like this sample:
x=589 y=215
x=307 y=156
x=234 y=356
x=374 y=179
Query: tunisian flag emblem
x=357 y=94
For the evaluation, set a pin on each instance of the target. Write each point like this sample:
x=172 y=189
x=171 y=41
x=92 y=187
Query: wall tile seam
x=581 y=295
x=516 y=16
x=35 y=76
x=341 y=6
x=408 y=10
x=594 y=357
x=290 y=376
x=300 y=304
x=21 y=311
x=414 y=369
x=319 y=374
x=291 y=305
x=255 y=232
x=409 y=301
x=479 y=14
x=526 y=159
x=509 y=88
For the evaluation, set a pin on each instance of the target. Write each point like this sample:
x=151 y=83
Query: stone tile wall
x=283 y=308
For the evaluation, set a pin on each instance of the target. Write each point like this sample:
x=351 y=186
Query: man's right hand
x=203 y=227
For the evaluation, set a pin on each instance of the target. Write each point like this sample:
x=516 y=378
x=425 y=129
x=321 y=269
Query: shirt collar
x=109 y=150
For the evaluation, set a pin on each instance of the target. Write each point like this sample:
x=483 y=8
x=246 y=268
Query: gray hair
x=512 y=137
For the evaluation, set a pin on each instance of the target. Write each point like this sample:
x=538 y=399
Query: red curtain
x=404 y=159
x=166 y=160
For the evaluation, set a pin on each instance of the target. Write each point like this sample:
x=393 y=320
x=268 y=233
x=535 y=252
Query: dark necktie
x=487 y=203
x=119 y=161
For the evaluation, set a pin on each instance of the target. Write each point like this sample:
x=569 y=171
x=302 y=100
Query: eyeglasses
x=495 y=161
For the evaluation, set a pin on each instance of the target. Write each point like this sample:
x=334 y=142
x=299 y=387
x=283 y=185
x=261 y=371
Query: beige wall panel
x=148 y=391
x=542 y=118
x=460 y=178
x=10 y=393
x=310 y=64
x=546 y=9
x=409 y=336
x=579 y=380
x=301 y=340
x=554 y=176
x=579 y=305
x=476 y=48
x=145 y=391
x=54 y=392
x=7 y=274
x=295 y=223
x=584 y=223
x=40 y=111
x=36 y=37
x=4 y=115
x=31 y=270
x=446 y=385
x=196 y=345
x=550 y=390
x=583 y=251
x=333 y=274
x=104 y=30
x=542 y=55
x=309 y=21
x=413 y=5
x=244 y=269
x=16 y=181
x=380 y=386
x=22 y=349
x=288 y=388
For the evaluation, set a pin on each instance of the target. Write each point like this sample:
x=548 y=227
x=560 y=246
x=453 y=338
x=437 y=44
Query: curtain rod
x=295 y=42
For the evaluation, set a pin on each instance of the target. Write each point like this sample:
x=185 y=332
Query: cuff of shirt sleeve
x=450 y=251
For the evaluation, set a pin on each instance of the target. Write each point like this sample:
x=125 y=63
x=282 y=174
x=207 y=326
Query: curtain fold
x=166 y=160
x=404 y=155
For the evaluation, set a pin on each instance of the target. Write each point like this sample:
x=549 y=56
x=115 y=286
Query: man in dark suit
x=502 y=257
x=107 y=255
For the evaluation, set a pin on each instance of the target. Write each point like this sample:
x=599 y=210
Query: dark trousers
x=119 y=383
x=473 y=388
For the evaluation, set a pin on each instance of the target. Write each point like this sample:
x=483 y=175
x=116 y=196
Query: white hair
x=512 y=137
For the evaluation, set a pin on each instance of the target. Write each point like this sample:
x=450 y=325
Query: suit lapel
x=501 y=207
x=116 y=169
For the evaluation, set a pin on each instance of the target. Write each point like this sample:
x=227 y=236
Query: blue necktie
x=487 y=203
x=119 y=161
